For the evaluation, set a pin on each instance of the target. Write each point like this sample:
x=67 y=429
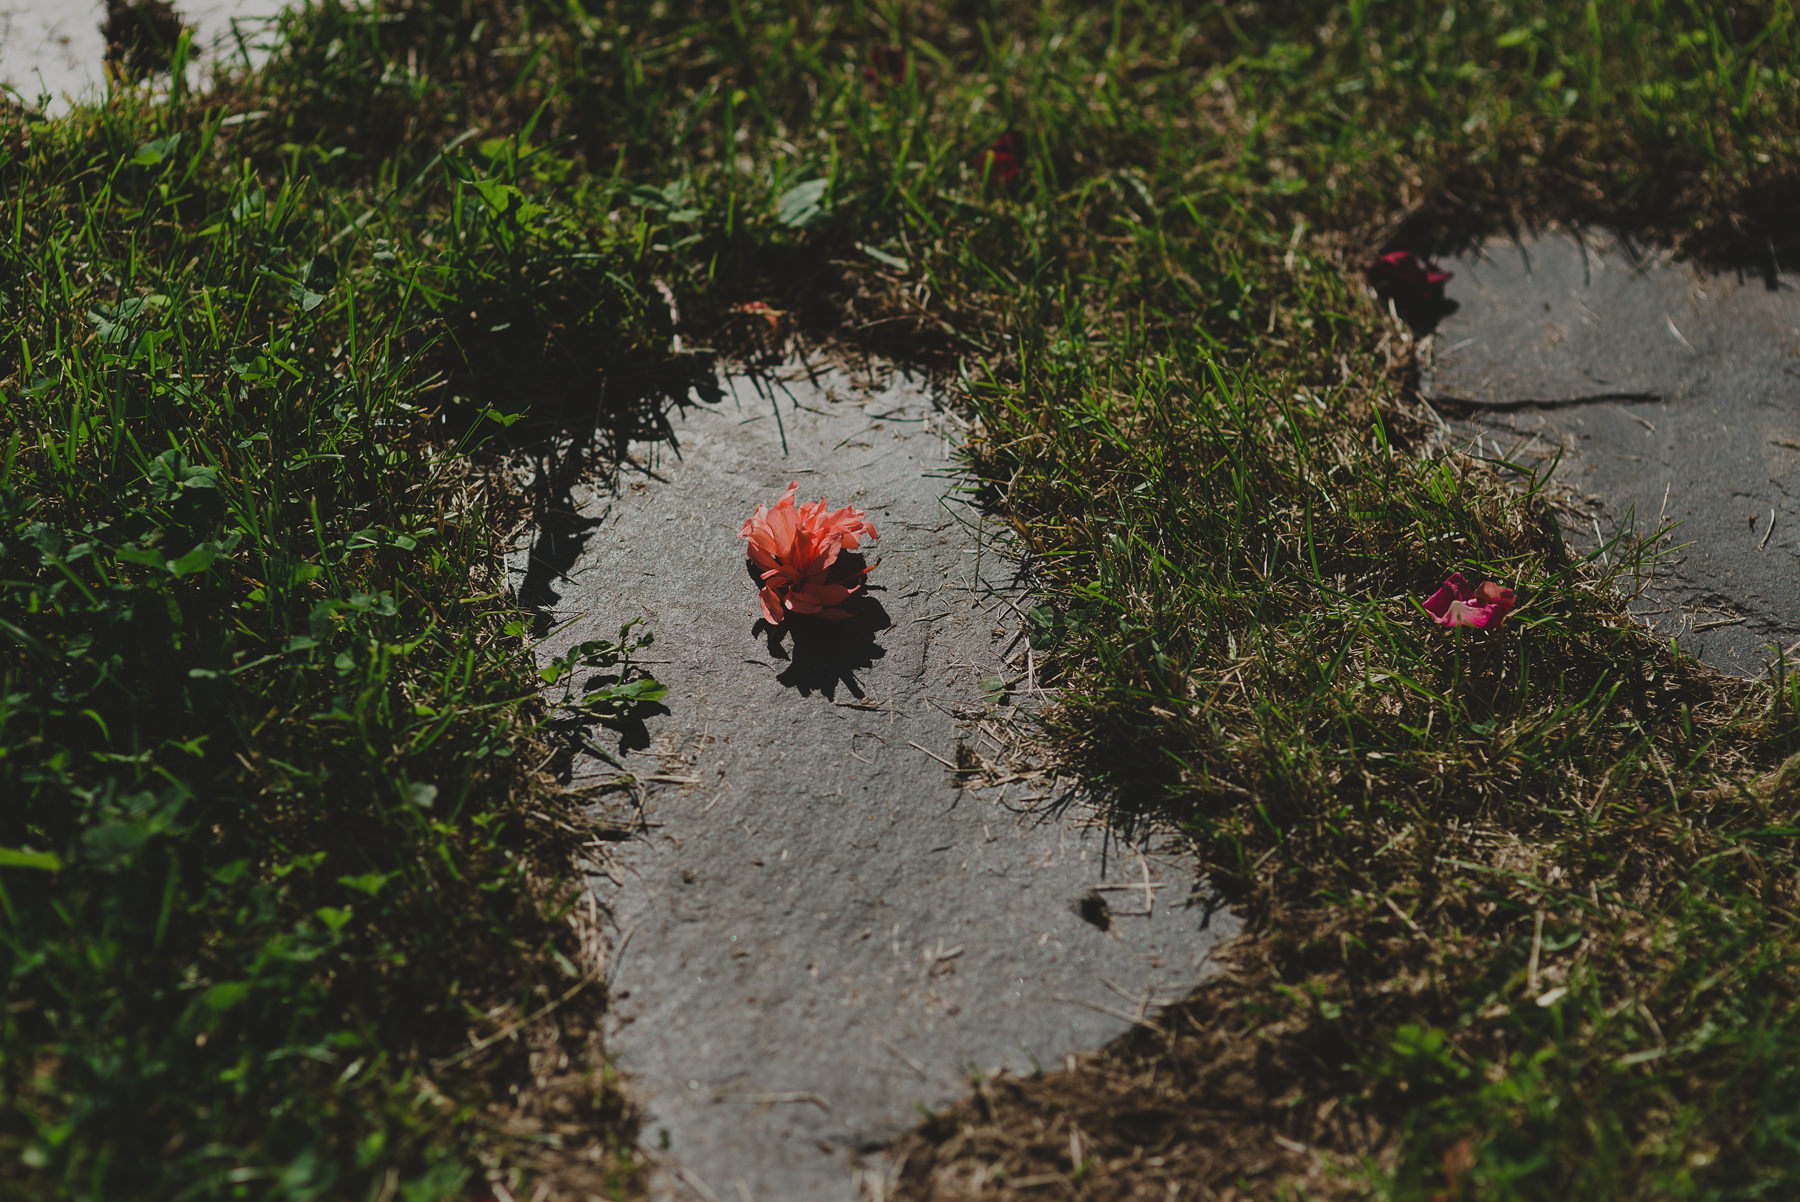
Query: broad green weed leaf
x=507 y=201
x=196 y=560
x=110 y=844
x=645 y=690
x=155 y=151
x=146 y=556
x=333 y=917
x=317 y=279
x=248 y=205
x=223 y=996
x=884 y=258
x=230 y=874
x=802 y=204
x=18 y=857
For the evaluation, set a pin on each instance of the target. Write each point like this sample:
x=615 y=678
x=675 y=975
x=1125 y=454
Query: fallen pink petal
x=1002 y=162
x=1456 y=604
x=1407 y=279
x=886 y=65
x=763 y=310
x=796 y=552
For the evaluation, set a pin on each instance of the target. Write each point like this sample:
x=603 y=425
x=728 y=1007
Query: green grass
x=289 y=838
x=279 y=846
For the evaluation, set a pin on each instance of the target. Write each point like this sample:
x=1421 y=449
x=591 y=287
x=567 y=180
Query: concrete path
x=1671 y=394
x=53 y=48
x=819 y=933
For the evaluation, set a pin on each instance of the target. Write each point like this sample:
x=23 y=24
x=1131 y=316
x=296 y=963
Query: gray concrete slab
x=53 y=48
x=819 y=933
x=1672 y=395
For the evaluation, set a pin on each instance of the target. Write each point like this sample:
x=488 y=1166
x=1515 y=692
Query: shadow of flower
x=826 y=654
x=1423 y=316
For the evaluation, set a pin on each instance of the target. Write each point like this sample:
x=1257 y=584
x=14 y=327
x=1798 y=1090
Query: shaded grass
x=290 y=907
x=1523 y=904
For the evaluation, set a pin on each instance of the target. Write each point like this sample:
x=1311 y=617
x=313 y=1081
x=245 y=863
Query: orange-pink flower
x=796 y=550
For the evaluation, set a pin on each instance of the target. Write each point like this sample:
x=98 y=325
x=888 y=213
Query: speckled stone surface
x=1672 y=395
x=818 y=931
x=53 y=48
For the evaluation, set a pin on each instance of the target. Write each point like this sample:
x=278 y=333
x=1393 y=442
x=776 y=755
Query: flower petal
x=784 y=530
x=1454 y=589
x=1000 y=162
x=1455 y=604
x=797 y=549
x=1498 y=600
x=771 y=605
x=1407 y=278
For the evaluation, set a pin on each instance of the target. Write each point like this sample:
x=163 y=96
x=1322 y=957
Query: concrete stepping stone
x=54 y=47
x=820 y=933
x=1672 y=394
